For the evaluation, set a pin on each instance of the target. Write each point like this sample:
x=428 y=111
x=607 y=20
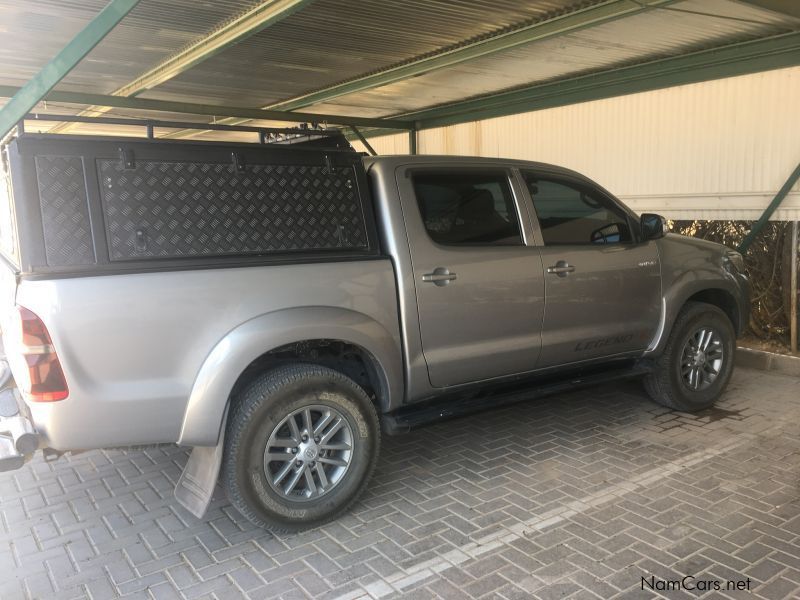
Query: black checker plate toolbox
x=107 y=205
x=65 y=211
x=175 y=209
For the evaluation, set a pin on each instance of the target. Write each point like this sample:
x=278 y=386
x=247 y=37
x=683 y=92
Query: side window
x=571 y=215
x=467 y=208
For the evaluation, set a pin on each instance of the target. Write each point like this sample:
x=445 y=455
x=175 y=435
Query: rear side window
x=576 y=216
x=467 y=208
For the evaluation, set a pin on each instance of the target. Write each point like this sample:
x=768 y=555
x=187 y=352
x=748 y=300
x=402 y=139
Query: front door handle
x=440 y=276
x=562 y=268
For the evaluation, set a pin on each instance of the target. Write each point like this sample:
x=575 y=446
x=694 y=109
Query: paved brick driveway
x=579 y=495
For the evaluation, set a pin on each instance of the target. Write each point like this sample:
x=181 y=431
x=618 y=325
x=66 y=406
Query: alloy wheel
x=701 y=359
x=308 y=453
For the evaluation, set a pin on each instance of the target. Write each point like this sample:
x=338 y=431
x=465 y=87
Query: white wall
x=716 y=150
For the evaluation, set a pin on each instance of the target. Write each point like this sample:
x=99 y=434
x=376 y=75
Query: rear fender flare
x=210 y=394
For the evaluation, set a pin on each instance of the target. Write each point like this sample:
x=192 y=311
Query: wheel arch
x=272 y=339
x=722 y=299
x=721 y=294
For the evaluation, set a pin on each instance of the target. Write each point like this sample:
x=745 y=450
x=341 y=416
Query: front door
x=602 y=286
x=479 y=287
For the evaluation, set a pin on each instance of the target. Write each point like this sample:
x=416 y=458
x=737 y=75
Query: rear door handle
x=561 y=268
x=440 y=276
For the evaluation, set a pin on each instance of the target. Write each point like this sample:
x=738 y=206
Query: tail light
x=46 y=382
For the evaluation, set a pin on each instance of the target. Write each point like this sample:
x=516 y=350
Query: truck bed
x=131 y=346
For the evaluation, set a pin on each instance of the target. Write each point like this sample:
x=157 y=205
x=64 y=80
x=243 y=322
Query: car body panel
x=209 y=396
x=487 y=322
x=610 y=304
x=132 y=346
x=691 y=266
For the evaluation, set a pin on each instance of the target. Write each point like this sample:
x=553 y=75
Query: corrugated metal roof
x=330 y=41
x=33 y=32
x=647 y=36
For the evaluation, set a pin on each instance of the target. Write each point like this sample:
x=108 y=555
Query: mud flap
x=199 y=478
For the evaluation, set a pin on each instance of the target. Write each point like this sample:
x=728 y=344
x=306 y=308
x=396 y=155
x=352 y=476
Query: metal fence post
x=793 y=285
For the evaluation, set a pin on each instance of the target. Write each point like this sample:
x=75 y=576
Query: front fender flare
x=675 y=299
x=210 y=394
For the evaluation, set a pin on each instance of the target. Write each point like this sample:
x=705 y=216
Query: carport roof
x=424 y=62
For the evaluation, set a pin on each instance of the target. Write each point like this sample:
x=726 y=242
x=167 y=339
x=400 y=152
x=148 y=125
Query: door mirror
x=653 y=226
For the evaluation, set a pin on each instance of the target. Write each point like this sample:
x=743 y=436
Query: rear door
x=479 y=285
x=602 y=286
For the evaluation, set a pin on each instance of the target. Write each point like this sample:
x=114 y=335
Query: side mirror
x=653 y=226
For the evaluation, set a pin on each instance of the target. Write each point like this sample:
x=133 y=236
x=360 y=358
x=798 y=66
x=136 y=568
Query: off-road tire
x=665 y=384
x=258 y=409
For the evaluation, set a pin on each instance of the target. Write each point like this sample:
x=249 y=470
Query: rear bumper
x=18 y=437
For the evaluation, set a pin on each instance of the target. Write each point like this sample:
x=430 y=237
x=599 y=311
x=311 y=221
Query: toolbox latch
x=127 y=158
x=238 y=162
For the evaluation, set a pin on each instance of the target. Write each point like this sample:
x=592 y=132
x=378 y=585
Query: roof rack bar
x=151 y=124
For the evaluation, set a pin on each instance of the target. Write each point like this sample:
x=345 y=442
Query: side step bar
x=18 y=438
x=455 y=405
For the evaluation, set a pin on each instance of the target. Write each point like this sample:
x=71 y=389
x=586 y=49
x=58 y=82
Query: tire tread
x=657 y=384
x=242 y=410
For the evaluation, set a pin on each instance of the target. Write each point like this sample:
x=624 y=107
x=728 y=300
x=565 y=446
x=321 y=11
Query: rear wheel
x=697 y=361
x=301 y=444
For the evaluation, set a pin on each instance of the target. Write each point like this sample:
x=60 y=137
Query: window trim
x=517 y=197
x=582 y=185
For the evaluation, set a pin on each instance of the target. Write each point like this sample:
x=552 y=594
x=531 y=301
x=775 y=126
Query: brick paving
x=576 y=496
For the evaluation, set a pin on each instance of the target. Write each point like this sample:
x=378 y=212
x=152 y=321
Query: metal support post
x=412 y=141
x=793 y=285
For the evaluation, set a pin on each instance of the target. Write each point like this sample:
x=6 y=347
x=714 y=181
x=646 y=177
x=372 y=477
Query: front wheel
x=697 y=361
x=301 y=444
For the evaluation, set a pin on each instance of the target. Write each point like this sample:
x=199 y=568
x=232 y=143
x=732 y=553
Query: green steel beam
x=587 y=16
x=207 y=109
x=228 y=33
x=37 y=88
x=771 y=208
x=363 y=140
x=726 y=61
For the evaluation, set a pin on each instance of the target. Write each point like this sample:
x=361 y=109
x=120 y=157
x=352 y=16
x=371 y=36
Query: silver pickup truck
x=276 y=306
